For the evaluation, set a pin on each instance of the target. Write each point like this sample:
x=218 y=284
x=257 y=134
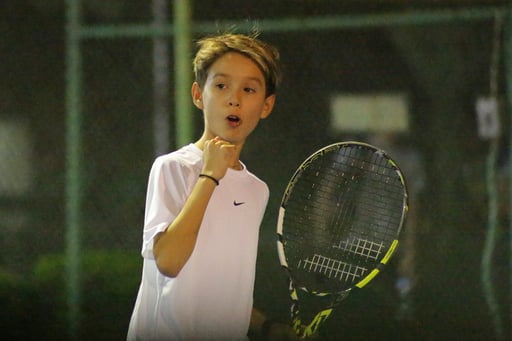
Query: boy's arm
x=270 y=329
x=257 y=320
x=173 y=247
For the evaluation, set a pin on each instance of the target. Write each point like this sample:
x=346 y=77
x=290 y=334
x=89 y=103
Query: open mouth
x=233 y=120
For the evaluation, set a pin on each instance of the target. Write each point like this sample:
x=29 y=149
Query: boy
x=204 y=208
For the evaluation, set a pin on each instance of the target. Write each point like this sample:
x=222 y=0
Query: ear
x=268 y=106
x=197 y=95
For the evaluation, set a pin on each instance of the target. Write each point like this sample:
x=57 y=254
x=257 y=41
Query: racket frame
x=336 y=297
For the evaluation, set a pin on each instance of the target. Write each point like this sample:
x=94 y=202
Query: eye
x=250 y=90
x=220 y=86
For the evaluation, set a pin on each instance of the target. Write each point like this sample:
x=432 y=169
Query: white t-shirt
x=212 y=296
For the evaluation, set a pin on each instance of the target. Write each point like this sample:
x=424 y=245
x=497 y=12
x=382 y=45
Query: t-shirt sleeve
x=166 y=194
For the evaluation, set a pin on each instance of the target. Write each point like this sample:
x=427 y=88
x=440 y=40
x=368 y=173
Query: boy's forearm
x=173 y=247
x=257 y=320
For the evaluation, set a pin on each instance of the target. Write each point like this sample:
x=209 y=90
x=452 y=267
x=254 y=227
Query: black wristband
x=209 y=177
x=265 y=327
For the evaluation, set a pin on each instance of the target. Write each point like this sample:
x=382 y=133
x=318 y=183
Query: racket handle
x=316 y=323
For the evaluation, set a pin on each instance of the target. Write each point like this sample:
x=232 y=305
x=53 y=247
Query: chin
x=232 y=139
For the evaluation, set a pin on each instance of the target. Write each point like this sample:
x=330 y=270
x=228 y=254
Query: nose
x=234 y=100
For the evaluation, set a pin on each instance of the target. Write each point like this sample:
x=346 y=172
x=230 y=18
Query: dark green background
x=442 y=66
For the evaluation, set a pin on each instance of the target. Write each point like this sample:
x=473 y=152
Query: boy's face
x=233 y=98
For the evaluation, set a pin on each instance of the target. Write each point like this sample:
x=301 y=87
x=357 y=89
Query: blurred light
x=383 y=112
x=16 y=168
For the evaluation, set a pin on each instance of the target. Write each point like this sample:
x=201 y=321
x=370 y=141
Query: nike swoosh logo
x=238 y=203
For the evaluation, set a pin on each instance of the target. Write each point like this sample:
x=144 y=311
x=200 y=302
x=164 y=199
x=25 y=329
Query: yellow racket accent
x=368 y=278
x=375 y=272
x=296 y=325
x=294 y=295
x=317 y=321
x=390 y=252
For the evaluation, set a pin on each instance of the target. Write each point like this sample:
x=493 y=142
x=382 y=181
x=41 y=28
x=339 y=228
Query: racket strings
x=362 y=247
x=332 y=268
x=347 y=205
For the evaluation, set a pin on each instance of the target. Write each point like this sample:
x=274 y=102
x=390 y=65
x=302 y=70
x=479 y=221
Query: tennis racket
x=338 y=225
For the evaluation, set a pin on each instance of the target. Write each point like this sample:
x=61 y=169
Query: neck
x=237 y=166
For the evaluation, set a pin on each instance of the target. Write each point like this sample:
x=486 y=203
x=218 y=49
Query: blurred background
x=91 y=91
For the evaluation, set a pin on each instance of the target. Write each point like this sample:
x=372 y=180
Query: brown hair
x=264 y=55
